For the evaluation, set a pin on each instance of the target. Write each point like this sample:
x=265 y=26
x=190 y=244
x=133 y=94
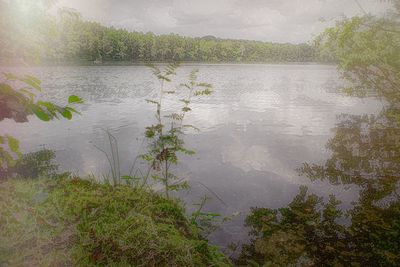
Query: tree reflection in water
x=365 y=152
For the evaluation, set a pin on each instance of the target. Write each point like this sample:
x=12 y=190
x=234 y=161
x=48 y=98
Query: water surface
x=262 y=122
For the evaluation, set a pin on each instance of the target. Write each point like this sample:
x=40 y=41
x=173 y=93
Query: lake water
x=261 y=123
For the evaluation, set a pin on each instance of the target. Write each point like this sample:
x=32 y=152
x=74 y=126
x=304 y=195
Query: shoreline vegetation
x=55 y=219
x=51 y=219
x=63 y=221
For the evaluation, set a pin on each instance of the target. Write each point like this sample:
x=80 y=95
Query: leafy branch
x=18 y=103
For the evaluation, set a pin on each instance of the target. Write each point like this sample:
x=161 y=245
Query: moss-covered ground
x=75 y=222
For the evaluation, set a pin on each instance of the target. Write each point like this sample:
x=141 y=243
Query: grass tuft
x=63 y=222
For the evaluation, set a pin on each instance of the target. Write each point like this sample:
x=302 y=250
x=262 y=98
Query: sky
x=282 y=21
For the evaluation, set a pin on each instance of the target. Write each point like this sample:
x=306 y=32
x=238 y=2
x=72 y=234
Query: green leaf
x=50 y=106
x=73 y=99
x=66 y=114
x=38 y=111
x=13 y=144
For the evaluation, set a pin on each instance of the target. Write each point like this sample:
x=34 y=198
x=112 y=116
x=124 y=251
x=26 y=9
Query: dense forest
x=70 y=38
x=92 y=41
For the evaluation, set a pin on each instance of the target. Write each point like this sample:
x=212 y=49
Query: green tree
x=367 y=52
x=165 y=137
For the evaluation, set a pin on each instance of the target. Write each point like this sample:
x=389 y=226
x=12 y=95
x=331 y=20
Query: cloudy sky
x=293 y=21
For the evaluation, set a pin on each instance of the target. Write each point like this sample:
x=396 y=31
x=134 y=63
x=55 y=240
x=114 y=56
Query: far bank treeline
x=70 y=38
x=91 y=41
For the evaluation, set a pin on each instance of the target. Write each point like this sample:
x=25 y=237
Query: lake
x=261 y=123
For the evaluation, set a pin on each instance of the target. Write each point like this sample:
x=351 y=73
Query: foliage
x=64 y=221
x=365 y=153
x=307 y=233
x=9 y=148
x=165 y=138
x=367 y=51
x=34 y=165
x=17 y=102
x=364 y=147
x=94 y=42
x=24 y=29
x=113 y=160
x=69 y=38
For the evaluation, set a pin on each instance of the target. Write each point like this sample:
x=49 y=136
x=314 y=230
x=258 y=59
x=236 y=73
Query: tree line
x=68 y=37
x=92 y=41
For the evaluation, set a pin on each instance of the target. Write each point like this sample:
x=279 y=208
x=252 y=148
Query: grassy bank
x=62 y=222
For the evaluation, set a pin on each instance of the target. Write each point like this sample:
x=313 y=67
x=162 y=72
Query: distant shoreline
x=128 y=63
